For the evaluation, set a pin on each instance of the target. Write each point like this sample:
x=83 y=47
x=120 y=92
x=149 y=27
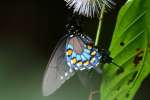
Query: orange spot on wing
x=74 y=60
x=69 y=52
x=89 y=47
x=92 y=60
x=80 y=62
x=86 y=62
x=93 y=53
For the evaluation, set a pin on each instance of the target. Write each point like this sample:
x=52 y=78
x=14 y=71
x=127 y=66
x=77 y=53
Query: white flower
x=88 y=8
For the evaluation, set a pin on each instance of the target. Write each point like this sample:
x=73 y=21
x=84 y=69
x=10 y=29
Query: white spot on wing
x=70 y=70
x=83 y=68
x=66 y=74
x=61 y=77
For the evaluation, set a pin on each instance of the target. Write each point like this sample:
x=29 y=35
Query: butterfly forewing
x=57 y=71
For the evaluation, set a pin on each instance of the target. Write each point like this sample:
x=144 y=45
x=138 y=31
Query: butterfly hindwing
x=90 y=79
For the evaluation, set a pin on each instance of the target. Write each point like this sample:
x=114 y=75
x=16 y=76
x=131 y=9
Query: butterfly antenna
x=120 y=69
x=115 y=64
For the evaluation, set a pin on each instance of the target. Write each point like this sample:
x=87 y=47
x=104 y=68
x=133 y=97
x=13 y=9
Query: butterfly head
x=72 y=29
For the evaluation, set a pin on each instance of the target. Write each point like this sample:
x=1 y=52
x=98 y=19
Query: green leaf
x=130 y=48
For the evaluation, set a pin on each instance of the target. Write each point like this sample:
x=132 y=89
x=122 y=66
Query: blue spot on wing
x=69 y=46
x=86 y=55
x=83 y=58
x=78 y=57
x=87 y=50
x=73 y=55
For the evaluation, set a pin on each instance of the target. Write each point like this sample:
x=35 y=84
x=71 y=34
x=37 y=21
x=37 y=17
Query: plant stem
x=99 y=25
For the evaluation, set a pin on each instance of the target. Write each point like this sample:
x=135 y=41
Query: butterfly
x=74 y=52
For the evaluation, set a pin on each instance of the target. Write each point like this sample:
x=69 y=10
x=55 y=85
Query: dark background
x=29 y=30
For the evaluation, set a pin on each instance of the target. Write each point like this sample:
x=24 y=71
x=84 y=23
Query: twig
x=100 y=24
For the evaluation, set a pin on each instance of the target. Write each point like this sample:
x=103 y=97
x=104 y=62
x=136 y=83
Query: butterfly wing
x=90 y=79
x=57 y=71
